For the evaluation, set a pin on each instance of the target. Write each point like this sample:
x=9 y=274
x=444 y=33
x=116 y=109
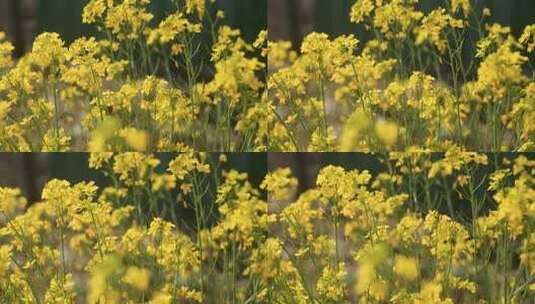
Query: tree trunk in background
x=290 y=20
x=15 y=8
x=292 y=9
x=277 y=23
x=26 y=171
x=304 y=166
x=17 y=19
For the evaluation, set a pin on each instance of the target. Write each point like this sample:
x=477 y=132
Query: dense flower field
x=426 y=228
x=187 y=81
x=431 y=80
x=184 y=234
x=456 y=226
x=429 y=228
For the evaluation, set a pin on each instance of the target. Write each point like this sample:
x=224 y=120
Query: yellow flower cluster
x=406 y=232
x=412 y=85
x=5 y=51
x=359 y=238
x=126 y=19
x=528 y=38
x=144 y=86
x=433 y=26
x=131 y=242
x=279 y=183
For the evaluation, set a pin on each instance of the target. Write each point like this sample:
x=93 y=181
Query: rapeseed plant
x=414 y=84
x=185 y=81
x=132 y=242
x=426 y=228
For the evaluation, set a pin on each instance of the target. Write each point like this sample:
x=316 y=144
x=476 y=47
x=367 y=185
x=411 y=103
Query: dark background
x=292 y=19
x=23 y=19
x=30 y=171
x=306 y=166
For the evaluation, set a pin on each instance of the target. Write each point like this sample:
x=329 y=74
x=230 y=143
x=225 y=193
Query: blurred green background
x=74 y=166
x=30 y=171
x=306 y=166
x=333 y=16
x=293 y=19
x=65 y=16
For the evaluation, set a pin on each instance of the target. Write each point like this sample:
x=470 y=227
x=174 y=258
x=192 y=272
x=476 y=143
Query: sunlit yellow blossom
x=5 y=52
x=61 y=290
x=137 y=277
x=136 y=139
x=171 y=27
x=322 y=141
x=260 y=40
x=280 y=184
x=387 y=132
x=500 y=70
x=497 y=179
x=187 y=163
x=406 y=267
x=126 y=19
x=132 y=168
x=11 y=202
x=280 y=53
x=354 y=130
x=527 y=38
x=330 y=285
x=433 y=26
x=454 y=160
x=198 y=6
x=430 y=293
x=463 y=5
x=361 y=9
x=395 y=18
x=235 y=72
x=367 y=279
x=56 y=141
x=243 y=212
x=266 y=259
x=448 y=241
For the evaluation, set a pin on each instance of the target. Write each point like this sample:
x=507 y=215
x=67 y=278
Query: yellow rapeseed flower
x=406 y=267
